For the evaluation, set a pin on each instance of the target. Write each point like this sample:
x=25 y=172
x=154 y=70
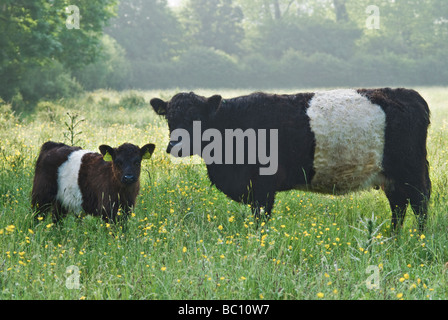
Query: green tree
x=34 y=37
x=215 y=23
x=411 y=28
x=146 y=29
x=310 y=27
x=151 y=36
x=110 y=70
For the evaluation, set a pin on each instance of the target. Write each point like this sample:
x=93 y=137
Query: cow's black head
x=182 y=112
x=126 y=160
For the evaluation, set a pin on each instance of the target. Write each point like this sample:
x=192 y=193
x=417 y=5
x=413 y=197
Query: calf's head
x=182 y=112
x=126 y=160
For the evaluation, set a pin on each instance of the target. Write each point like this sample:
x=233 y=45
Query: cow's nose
x=173 y=144
x=129 y=178
x=169 y=148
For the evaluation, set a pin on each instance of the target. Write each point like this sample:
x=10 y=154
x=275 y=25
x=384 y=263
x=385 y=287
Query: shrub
x=111 y=70
x=48 y=82
x=202 y=67
x=131 y=101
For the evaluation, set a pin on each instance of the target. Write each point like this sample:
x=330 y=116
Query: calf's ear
x=147 y=151
x=107 y=152
x=159 y=106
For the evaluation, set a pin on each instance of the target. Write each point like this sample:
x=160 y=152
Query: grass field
x=186 y=240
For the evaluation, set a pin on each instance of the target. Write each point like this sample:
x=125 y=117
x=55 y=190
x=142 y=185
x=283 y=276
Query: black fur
x=405 y=165
x=404 y=162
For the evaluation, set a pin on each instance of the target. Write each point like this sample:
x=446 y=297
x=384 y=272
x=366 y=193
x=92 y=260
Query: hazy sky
x=174 y=2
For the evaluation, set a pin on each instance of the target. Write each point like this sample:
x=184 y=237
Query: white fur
x=69 y=194
x=349 y=132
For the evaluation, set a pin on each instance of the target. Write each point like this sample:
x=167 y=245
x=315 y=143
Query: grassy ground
x=186 y=240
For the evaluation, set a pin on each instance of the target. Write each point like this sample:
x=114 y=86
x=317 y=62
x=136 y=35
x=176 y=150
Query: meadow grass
x=186 y=240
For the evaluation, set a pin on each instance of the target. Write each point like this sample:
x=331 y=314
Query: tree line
x=259 y=44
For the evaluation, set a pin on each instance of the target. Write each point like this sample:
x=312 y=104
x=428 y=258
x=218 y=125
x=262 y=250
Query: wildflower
x=320 y=295
x=399 y=295
x=163 y=268
x=184 y=249
x=406 y=276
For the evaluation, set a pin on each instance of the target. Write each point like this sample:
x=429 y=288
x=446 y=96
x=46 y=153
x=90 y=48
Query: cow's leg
x=262 y=195
x=265 y=201
x=398 y=201
x=419 y=203
x=42 y=202
x=400 y=194
x=41 y=210
x=58 y=212
x=419 y=200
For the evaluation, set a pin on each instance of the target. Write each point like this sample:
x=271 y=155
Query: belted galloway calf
x=331 y=142
x=69 y=179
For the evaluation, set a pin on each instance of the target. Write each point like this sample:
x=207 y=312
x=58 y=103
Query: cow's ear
x=214 y=103
x=147 y=151
x=107 y=152
x=159 y=106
